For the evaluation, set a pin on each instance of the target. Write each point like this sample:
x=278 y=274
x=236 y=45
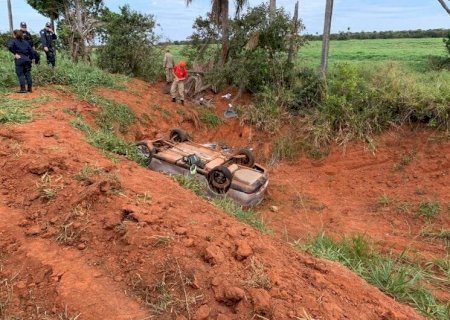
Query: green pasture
x=413 y=53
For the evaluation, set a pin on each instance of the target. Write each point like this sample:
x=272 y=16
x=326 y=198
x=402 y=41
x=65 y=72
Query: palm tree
x=220 y=13
x=11 y=24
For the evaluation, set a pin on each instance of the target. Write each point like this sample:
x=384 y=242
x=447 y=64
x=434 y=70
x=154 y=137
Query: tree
x=10 y=17
x=128 y=44
x=326 y=38
x=79 y=21
x=445 y=6
x=220 y=13
x=51 y=9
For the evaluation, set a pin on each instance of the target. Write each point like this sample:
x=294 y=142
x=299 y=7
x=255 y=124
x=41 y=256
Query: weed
x=420 y=191
x=162 y=241
x=259 y=277
x=305 y=202
x=391 y=274
x=157 y=297
x=384 y=200
x=442 y=234
x=6 y=291
x=247 y=216
x=87 y=173
x=47 y=186
x=405 y=160
x=210 y=119
x=113 y=115
x=429 y=209
x=403 y=207
x=145 y=197
x=192 y=183
x=166 y=114
x=65 y=315
x=67 y=234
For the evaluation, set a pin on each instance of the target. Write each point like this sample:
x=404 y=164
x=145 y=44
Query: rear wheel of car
x=219 y=179
x=145 y=152
x=178 y=135
x=245 y=158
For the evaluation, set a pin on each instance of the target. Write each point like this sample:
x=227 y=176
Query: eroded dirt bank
x=125 y=243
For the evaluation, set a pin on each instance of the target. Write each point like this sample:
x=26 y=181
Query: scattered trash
x=230 y=113
x=227 y=96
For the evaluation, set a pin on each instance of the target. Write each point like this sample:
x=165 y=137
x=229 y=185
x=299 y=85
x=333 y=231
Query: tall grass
x=393 y=275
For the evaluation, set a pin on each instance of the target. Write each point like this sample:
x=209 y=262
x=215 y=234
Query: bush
x=129 y=44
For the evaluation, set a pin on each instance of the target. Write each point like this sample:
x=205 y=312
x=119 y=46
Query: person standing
x=168 y=66
x=47 y=39
x=180 y=74
x=28 y=38
x=23 y=54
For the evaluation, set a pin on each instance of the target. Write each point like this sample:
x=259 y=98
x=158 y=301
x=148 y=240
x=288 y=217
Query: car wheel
x=145 y=152
x=247 y=158
x=178 y=135
x=219 y=179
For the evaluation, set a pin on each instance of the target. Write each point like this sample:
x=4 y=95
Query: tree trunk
x=52 y=22
x=444 y=5
x=272 y=8
x=10 y=17
x=294 y=33
x=225 y=31
x=326 y=38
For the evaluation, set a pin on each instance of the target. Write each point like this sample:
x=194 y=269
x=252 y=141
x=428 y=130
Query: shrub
x=129 y=44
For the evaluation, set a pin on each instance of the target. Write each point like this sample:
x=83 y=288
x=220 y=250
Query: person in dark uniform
x=27 y=37
x=23 y=55
x=47 y=38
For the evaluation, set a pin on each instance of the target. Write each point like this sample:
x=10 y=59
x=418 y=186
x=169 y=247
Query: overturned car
x=230 y=174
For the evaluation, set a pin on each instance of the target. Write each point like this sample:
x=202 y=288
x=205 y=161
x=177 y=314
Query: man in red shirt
x=180 y=74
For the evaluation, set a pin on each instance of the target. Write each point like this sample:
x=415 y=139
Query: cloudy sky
x=176 y=20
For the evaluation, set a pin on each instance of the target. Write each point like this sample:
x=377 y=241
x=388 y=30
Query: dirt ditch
x=104 y=239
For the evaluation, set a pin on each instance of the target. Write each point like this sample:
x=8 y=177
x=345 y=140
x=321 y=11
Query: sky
x=175 y=19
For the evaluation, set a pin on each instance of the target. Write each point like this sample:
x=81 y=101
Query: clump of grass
x=384 y=200
x=162 y=240
x=145 y=197
x=17 y=111
x=405 y=160
x=65 y=315
x=443 y=234
x=67 y=234
x=157 y=297
x=193 y=183
x=47 y=186
x=393 y=275
x=210 y=119
x=113 y=115
x=237 y=211
x=259 y=277
x=429 y=209
x=307 y=203
x=86 y=173
x=106 y=140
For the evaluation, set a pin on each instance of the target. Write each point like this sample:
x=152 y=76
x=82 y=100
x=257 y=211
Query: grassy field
x=413 y=53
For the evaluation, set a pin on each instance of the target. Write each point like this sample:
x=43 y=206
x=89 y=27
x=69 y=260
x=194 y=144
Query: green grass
x=18 y=110
x=395 y=276
x=210 y=119
x=413 y=53
x=199 y=187
x=429 y=209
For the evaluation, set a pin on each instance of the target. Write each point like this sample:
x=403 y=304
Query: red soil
x=132 y=241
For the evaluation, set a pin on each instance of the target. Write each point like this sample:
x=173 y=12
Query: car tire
x=146 y=152
x=249 y=160
x=219 y=179
x=178 y=135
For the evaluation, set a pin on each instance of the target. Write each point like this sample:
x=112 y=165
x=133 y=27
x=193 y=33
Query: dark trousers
x=51 y=57
x=36 y=57
x=23 y=72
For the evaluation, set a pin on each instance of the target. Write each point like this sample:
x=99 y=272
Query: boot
x=182 y=102
x=22 y=89
x=30 y=88
x=174 y=100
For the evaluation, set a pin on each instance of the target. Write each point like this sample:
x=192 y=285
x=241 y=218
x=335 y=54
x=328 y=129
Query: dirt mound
x=87 y=235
